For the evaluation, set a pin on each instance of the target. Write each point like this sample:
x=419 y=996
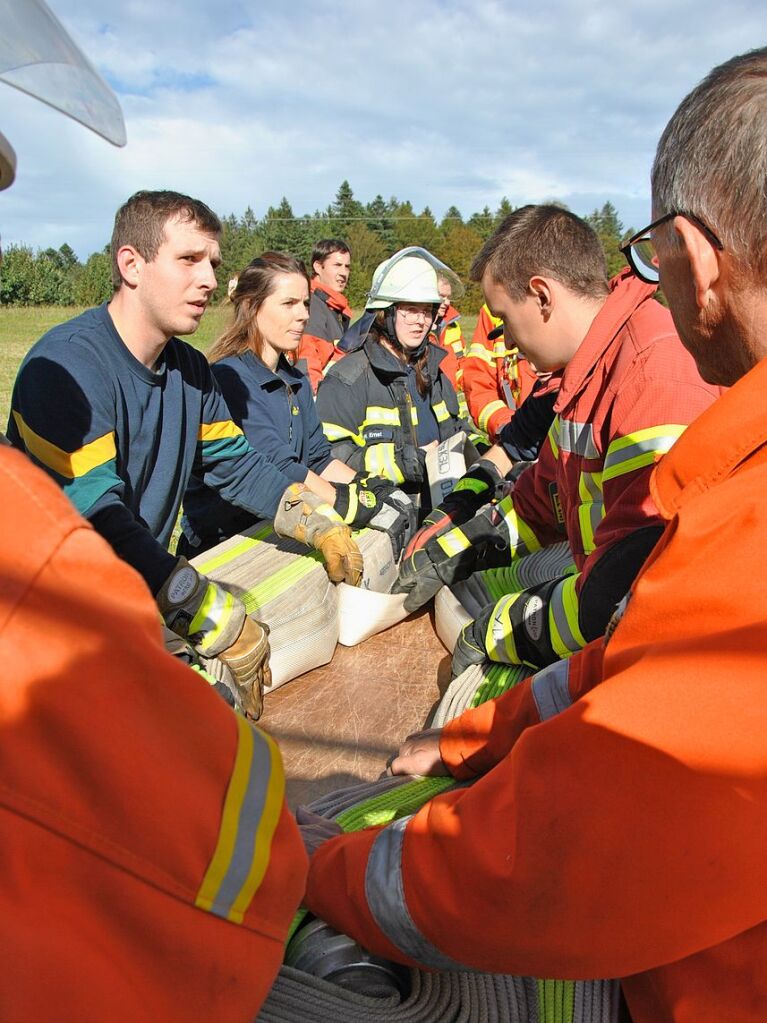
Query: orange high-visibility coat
x=622 y=830
x=496 y=378
x=329 y=318
x=150 y=867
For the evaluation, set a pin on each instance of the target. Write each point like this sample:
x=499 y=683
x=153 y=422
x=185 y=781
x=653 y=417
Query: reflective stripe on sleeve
x=637 y=450
x=212 y=616
x=69 y=464
x=566 y=636
x=250 y=816
x=218 y=431
x=577 y=438
x=489 y=410
x=499 y=638
x=551 y=690
x=591 y=509
x=334 y=432
x=521 y=538
x=385 y=894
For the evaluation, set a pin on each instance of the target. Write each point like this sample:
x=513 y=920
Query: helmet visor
x=38 y=57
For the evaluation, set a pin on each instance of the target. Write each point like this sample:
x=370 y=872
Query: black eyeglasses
x=640 y=253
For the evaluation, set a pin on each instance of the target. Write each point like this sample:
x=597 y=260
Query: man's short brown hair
x=140 y=222
x=548 y=241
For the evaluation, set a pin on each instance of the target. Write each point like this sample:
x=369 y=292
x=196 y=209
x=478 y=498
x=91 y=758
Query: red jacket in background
x=496 y=378
x=628 y=826
x=150 y=865
x=329 y=316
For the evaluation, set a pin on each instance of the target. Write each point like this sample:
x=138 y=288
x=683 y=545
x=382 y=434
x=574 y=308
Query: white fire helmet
x=38 y=56
x=410 y=275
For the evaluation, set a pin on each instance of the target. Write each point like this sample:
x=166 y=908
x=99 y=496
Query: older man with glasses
x=620 y=826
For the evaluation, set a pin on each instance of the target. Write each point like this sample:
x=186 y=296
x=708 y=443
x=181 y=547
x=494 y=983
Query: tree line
x=372 y=230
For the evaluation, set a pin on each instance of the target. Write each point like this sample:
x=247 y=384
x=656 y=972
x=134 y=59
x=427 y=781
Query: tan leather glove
x=248 y=661
x=215 y=623
x=306 y=517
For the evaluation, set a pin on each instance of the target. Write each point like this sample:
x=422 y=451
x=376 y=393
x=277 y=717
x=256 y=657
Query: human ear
x=540 y=289
x=129 y=262
x=703 y=259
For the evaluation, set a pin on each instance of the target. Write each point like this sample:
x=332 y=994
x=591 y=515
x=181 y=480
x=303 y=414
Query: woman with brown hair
x=271 y=401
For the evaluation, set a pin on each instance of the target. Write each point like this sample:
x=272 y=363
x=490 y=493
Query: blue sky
x=435 y=101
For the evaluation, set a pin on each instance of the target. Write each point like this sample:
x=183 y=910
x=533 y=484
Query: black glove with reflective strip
x=451 y=557
x=361 y=500
x=396 y=516
x=474 y=489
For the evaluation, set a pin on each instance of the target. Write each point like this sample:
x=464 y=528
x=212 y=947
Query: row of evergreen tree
x=373 y=231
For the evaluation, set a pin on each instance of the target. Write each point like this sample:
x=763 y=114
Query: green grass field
x=21 y=326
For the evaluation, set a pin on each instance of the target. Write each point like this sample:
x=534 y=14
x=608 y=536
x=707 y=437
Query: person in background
x=329 y=312
x=150 y=865
x=495 y=376
x=120 y=412
x=626 y=785
x=271 y=402
x=389 y=401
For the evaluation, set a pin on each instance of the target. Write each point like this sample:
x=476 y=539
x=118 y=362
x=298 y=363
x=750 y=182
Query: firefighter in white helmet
x=389 y=401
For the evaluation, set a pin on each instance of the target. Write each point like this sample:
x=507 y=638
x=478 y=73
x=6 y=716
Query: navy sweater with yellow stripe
x=123 y=440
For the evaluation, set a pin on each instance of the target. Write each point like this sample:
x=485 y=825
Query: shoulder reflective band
x=251 y=813
x=67 y=463
x=640 y=449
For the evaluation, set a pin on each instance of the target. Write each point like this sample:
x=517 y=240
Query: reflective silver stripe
x=641 y=451
x=577 y=438
x=386 y=900
x=591 y=512
x=250 y=816
x=551 y=691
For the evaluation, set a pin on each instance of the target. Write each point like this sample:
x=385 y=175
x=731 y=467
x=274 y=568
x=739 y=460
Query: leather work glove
x=396 y=516
x=359 y=501
x=451 y=557
x=473 y=490
x=216 y=625
x=310 y=520
x=470 y=646
x=185 y=652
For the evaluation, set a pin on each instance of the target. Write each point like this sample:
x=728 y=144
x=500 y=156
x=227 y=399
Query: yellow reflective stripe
x=454 y=542
x=413 y=415
x=521 y=538
x=640 y=449
x=440 y=411
x=566 y=636
x=478 y=351
x=380 y=461
x=591 y=509
x=375 y=415
x=67 y=463
x=252 y=808
x=553 y=436
x=218 y=431
x=489 y=410
x=334 y=432
x=212 y=616
x=499 y=638
x=500 y=351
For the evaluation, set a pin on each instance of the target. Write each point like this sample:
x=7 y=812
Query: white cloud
x=444 y=102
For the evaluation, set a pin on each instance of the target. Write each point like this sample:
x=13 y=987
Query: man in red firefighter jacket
x=627 y=393
x=627 y=787
x=496 y=377
x=329 y=312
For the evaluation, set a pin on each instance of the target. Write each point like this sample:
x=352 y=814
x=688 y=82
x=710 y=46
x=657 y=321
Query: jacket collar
x=713 y=446
x=334 y=299
x=265 y=378
x=627 y=293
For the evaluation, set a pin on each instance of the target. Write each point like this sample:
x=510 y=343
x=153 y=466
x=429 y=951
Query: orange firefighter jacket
x=150 y=867
x=496 y=377
x=329 y=317
x=621 y=832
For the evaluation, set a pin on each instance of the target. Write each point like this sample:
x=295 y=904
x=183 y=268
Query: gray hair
x=712 y=158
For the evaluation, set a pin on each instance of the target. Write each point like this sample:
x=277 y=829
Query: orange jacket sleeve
x=315 y=353
x=151 y=866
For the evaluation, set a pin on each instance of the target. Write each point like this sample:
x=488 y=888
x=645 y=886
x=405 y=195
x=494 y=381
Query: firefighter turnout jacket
x=626 y=396
x=495 y=376
x=150 y=866
x=629 y=825
x=371 y=420
x=329 y=317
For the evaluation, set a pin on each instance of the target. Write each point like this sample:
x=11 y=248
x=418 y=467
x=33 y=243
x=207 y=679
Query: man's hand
x=419 y=754
x=315 y=829
x=303 y=515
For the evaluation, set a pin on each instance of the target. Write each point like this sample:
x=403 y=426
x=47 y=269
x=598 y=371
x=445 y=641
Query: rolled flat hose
x=459 y=997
